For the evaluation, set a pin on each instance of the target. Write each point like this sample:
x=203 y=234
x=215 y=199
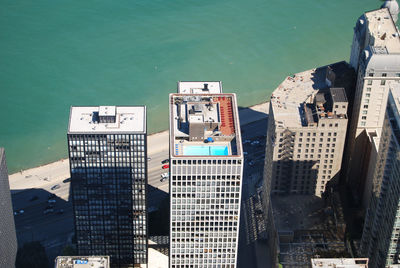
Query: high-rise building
x=375 y=55
x=306 y=132
x=380 y=239
x=206 y=167
x=82 y=262
x=8 y=238
x=108 y=164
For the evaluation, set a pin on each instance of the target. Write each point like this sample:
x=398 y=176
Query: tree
x=31 y=255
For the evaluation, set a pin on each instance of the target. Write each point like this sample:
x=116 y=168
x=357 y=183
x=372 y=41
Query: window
x=364 y=112
x=368 y=89
x=367 y=95
x=363 y=123
x=369 y=82
x=365 y=106
x=384 y=74
x=363 y=118
x=336 y=106
x=370 y=74
x=366 y=101
x=383 y=82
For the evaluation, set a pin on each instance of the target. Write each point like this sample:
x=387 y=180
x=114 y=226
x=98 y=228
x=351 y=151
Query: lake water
x=54 y=54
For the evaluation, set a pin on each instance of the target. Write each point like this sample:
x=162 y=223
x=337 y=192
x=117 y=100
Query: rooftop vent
x=107 y=114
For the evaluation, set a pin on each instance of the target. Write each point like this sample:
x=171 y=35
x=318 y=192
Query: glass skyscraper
x=107 y=154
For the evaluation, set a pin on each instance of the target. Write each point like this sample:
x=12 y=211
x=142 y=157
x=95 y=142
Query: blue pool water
x=205 y=150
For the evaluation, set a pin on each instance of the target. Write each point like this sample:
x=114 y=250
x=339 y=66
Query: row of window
x=207 y=162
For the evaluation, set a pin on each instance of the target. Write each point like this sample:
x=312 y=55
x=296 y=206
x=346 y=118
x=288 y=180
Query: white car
x=164 y=176
x=255 y=142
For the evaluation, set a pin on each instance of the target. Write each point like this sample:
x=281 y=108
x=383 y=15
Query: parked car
x=165 y=161
x=17 y=212
x=165 y=166
x=164 y=176
x=67 y=180
x=255 y=142
x=51 y=201
x=55 y=187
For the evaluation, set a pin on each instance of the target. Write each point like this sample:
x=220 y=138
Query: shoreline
x=156 y=142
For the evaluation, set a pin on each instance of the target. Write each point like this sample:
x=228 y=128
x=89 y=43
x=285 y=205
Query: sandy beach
x=54 y=172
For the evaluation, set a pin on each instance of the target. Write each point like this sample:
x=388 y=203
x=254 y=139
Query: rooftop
x=204 y=125
x=340 y=263
x=338 y=95
x=294 y=101
x=199 y=87
x=82 y=262
x=385 y=36
x=107 y=119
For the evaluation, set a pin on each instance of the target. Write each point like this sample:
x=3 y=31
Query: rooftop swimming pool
x=205 y=150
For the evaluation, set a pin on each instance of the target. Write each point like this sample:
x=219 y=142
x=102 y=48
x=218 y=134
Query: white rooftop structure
x=289 y=95
x=340 y=263
x=199 y=87
x=82 y=262
x=104 y=119
x=384 y=31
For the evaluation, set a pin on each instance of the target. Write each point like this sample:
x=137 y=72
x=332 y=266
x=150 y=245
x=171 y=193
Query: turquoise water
x=205 y=150
x=54 y=54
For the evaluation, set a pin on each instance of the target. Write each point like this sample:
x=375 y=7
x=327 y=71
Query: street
x=55 y=230
x=30 y=192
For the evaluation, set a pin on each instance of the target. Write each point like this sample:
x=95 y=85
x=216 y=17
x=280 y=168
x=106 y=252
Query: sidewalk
x=156 y=143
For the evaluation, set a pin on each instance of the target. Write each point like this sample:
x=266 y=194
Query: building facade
x=108 y=165
x=375 y=55
x=306 y=134
x=8 y=238
x=380 y=239
x=206 y=167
